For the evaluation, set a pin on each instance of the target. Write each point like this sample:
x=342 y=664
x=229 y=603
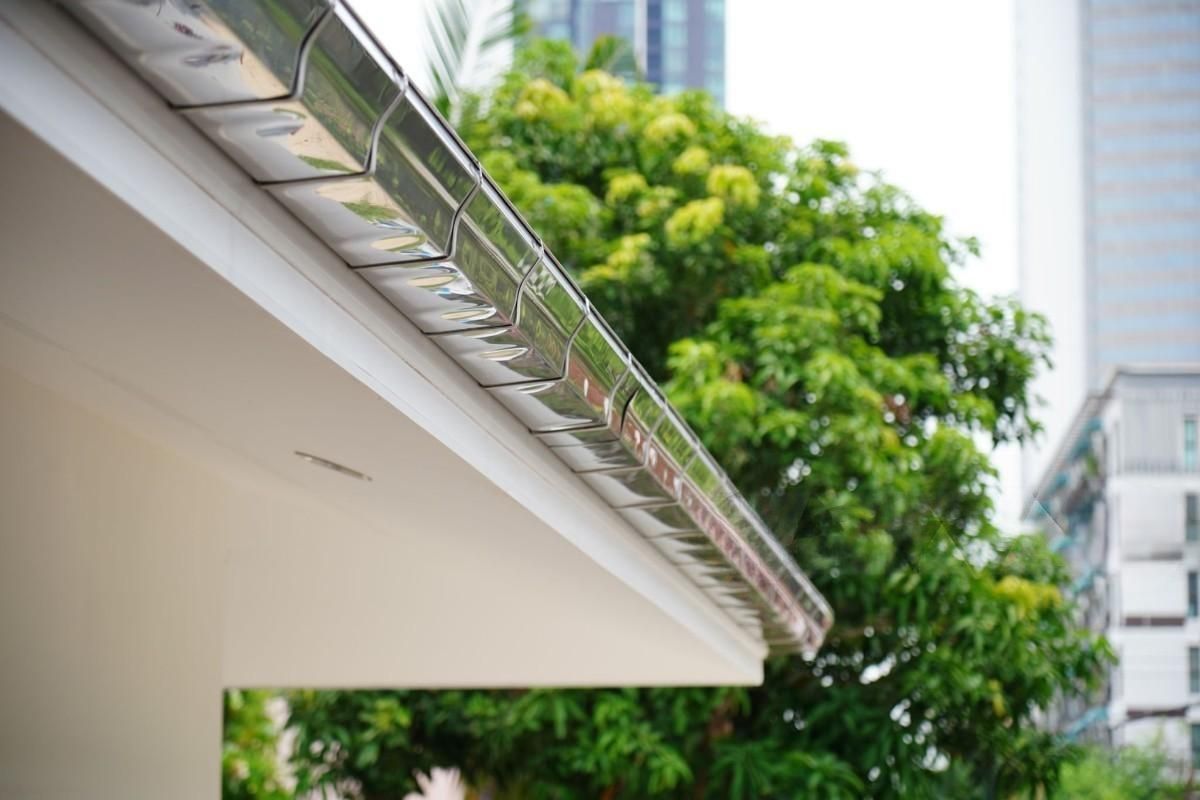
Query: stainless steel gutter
x=306 y=101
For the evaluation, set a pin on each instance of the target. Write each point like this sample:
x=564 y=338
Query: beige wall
x=110 y=640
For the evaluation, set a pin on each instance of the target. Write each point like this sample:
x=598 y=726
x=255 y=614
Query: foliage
x=1131 y=773
x=464 y=35
x=805 y=317
x=612 y=54
x=249 y=758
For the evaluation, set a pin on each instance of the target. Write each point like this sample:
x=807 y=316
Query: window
x=675 y=10
x=1193 y=594
x=1195 y=746
x=1194 y=670
x=1189 y=444
x=1191 y=517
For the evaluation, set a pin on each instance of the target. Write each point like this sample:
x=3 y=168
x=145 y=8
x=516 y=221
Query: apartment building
x=1120 y=501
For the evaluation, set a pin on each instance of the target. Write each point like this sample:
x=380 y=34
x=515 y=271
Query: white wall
x=1153 y=589
x=110 y=612
x=1154 y=668
x=1151 y=519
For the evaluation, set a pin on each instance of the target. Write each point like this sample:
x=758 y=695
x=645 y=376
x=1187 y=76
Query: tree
x=1130 y=773
x=250 y=762
x=806 y=319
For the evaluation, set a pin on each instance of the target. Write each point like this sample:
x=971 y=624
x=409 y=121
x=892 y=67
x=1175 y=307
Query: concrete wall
x=1150 y=520
x=1154 y=668
x=1153 y=589
x=110 y=610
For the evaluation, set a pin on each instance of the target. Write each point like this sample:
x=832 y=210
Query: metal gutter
x=301 y=95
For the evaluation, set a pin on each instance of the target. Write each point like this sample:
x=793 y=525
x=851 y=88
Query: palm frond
x=612 y=54
x=464 y=35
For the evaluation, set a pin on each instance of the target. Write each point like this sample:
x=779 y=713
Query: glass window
x=1193 y=594
x=1191 y=517
x=1194 y=670
x=625 y=26
x=674 y=37
x=1196 y=746
x=714 y=38
x=1189 y=443
x=675 y=10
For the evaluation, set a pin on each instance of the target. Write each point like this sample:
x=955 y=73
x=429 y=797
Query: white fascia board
x=73 y=94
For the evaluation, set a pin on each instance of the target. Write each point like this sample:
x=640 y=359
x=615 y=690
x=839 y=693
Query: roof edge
x=379 y=176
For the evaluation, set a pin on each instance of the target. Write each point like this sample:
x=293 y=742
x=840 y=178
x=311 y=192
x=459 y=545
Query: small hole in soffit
x=333 y=465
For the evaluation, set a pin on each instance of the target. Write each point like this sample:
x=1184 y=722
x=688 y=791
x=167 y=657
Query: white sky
x=921 y=90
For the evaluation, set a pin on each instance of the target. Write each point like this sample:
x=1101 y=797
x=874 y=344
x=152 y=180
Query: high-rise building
x=678 y=44
x=1120 y=501
x=1109 y=172
x=1108 y=101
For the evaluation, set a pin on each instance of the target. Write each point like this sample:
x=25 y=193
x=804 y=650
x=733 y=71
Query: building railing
x=1158 y=466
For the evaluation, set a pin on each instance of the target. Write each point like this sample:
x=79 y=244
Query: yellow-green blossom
x=1026 y=595
x=692 y=161
x=626 y=257
x=628 y=250
x=695 y=221
x=595 y=81
x=734 y=184
x=541 y=99
x=624 y=186
x=671 y=126
x=657 y=202
x=605 y=97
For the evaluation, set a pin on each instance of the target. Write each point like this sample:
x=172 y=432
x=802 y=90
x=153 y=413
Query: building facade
x=677 y=44
x=1108 y=96
x=1120 y=501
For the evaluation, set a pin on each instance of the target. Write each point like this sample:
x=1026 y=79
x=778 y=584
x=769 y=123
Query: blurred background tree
x=1131 y=773
x=805 y=317
x=250 y=756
